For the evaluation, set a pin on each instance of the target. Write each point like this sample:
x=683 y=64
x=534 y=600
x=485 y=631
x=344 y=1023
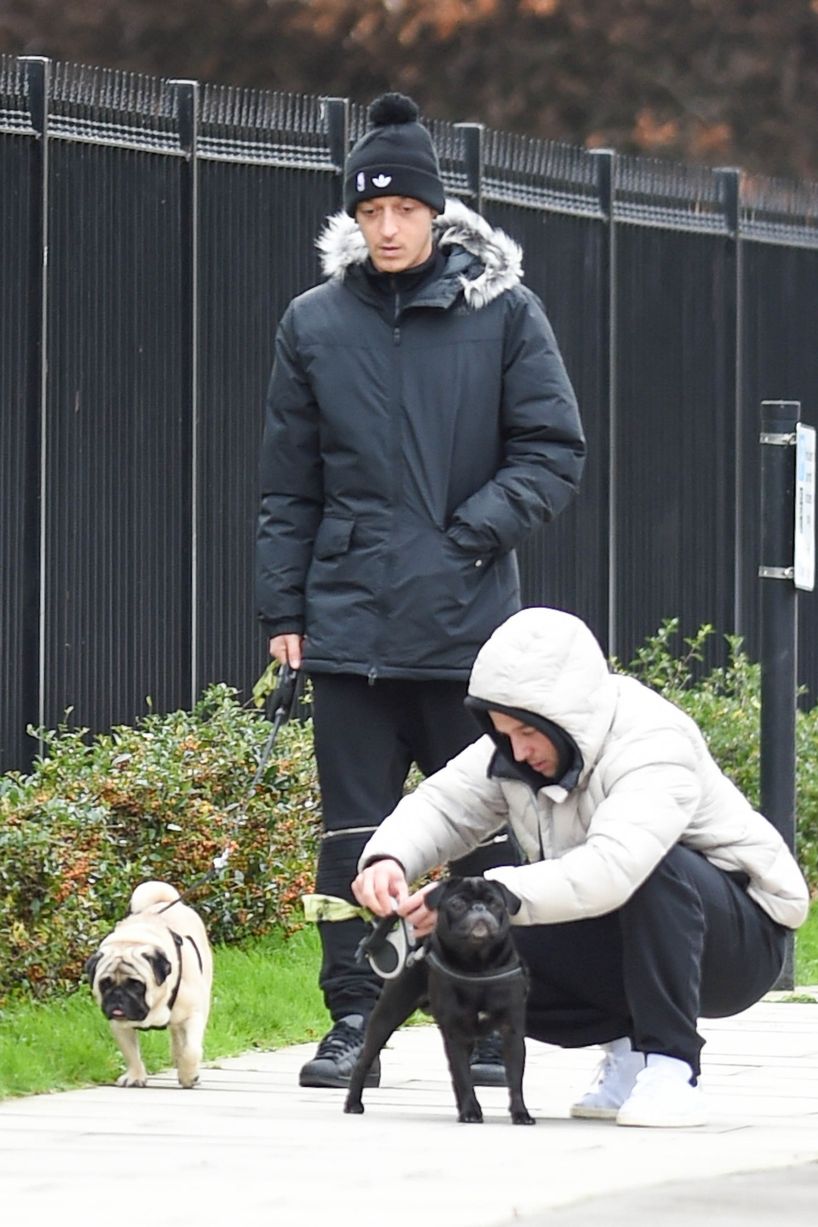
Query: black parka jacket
x=405 y=458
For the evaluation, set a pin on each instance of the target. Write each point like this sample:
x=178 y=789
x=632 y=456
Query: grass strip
x=265 y=996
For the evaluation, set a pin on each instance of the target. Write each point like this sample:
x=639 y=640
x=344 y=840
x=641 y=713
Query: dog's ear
x=91 y=965
x=434 y=897
x=512 y=902
x=160 y=964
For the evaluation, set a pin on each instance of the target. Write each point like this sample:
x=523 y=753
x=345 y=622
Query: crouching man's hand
x=382 y=887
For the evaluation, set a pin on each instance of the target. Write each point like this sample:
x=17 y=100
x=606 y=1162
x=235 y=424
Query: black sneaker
x=487 y=1065
x=337 y=1053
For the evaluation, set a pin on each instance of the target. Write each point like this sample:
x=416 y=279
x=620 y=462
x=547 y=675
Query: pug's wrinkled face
x=473 y=913
x=126 y=988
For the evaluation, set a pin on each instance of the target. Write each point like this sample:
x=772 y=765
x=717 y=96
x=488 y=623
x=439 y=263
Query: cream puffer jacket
x=647 y=781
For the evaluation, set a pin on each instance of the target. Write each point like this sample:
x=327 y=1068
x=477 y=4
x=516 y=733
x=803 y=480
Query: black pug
x=469 y=977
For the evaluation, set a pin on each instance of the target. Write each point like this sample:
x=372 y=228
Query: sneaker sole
x=322 y=1082
x=691 y=1121
x=487 y=1075
x=581 y=1112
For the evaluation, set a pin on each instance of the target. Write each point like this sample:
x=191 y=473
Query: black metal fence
x=151 y=233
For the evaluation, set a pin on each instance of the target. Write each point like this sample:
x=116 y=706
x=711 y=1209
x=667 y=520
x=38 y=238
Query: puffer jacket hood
x=547 y=663
x=496 y=264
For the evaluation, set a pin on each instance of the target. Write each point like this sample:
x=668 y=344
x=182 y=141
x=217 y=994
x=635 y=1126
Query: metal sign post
x=785 y=520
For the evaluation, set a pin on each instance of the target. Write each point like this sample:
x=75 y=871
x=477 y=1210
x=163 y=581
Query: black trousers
x=366 y=739
x=689 y=944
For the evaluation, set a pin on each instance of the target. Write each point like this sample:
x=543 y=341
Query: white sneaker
x=660 y=1100
x=613 y=1082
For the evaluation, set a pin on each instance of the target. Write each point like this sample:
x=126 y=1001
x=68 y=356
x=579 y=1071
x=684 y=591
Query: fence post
x=730 y=178
x=336 y=114
x=473 y=160
x=187 y=108
x=38 y=78
x=606 y=182
x=778 y=626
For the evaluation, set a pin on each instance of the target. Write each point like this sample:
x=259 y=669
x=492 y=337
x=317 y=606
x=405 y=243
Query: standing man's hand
x=286 y=649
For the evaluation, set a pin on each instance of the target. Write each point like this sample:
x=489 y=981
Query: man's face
x=528 y=745
x=397 y=230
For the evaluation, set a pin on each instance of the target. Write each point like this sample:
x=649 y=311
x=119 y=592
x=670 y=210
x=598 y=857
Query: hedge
x=160 y=800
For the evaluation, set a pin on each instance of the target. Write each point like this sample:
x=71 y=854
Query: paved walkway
x=249 y=1147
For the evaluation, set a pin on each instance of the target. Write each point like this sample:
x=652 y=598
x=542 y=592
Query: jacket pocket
x=333 y=537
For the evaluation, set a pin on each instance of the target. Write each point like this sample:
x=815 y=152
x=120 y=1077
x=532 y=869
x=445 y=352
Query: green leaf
x=266 y=684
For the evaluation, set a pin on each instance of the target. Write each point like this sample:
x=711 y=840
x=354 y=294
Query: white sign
x=804 y=562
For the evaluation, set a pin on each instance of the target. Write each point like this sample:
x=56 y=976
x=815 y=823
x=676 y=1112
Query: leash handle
x=389 y=947
x=283 y=697
x=380 y=929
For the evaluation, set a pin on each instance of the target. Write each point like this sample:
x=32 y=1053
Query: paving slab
x=249 y=1144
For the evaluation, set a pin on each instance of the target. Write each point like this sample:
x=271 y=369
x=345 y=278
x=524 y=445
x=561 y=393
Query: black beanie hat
x=395 y=157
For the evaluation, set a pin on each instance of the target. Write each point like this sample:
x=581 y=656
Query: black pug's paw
x=522 y=1118
x=471 y=1116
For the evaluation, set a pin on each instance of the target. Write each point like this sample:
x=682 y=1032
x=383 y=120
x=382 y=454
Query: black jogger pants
x=689 y=944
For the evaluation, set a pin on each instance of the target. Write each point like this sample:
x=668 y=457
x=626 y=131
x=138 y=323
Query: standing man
x=420 y=425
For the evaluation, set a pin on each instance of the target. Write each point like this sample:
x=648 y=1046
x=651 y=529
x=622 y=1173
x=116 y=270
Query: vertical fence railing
x=606 y=163
x=474 y=161
x=336 y=111
x=187 y=98
x=730 y=178
x=38 y=76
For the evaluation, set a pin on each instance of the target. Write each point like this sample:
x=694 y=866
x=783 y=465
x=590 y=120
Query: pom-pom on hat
x=395 y=157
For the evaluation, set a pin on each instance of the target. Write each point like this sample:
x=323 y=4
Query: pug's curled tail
x=148 y=893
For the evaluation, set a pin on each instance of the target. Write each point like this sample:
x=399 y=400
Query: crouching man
x=652 y=893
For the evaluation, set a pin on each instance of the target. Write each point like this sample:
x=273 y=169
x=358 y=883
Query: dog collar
x=470 y=977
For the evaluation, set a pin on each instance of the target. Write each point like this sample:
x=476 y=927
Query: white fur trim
x=341 y=245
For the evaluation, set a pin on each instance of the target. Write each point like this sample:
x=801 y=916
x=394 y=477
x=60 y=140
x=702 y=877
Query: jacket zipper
x=395 y=319
x=373 y=671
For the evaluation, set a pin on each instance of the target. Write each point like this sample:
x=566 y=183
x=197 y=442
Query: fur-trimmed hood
x=342 y=246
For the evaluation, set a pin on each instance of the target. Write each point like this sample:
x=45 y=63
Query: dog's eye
x=131 y=983
x=105 y=984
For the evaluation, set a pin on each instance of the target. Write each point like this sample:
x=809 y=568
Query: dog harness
x=179 y=943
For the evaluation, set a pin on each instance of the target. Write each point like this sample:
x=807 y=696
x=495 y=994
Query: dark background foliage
x=710 y=81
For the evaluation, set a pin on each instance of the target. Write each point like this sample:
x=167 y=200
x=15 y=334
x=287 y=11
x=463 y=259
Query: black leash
x=282 y=704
